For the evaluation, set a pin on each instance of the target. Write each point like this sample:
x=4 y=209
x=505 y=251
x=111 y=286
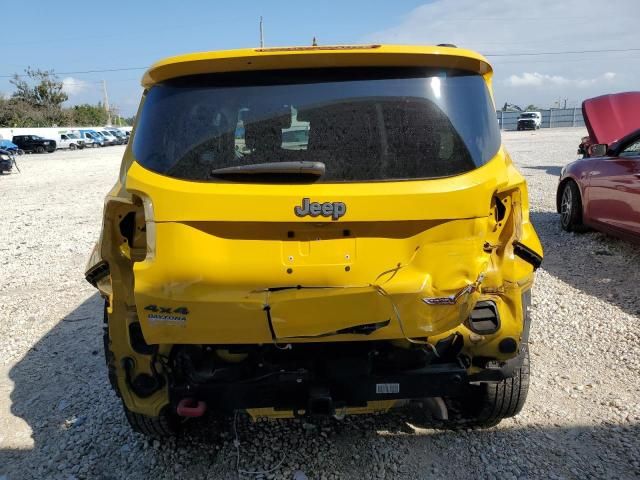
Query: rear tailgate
x=232 y=263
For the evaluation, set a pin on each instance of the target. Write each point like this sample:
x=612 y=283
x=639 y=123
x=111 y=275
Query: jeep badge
x=335 y=210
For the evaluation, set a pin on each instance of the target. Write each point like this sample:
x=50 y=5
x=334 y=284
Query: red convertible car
x=602 y=189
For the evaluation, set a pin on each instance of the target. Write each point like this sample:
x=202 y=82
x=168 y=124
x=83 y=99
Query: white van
x=110 y=137
x=529 y=121
x=72 y=141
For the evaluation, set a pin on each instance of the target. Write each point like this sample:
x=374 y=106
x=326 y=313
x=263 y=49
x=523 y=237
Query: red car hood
x=610 y=117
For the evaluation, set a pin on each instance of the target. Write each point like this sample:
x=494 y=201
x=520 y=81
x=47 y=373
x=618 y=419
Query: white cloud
x=502 y=27
x=536 y=79
x=74 y=86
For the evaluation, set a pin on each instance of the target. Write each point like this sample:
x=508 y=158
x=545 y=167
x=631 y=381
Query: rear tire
x=484 y=405
x=571 y=207
x=165 y=425
x=72 y=146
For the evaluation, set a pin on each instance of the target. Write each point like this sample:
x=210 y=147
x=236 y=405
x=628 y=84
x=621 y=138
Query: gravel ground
x=59 y=418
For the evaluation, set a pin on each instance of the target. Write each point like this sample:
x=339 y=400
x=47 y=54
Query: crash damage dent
x=412 y=301
x=133 y=366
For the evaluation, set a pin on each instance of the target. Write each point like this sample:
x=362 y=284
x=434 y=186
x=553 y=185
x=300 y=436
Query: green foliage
x=37 y=102
x=532 y=108
x=40 y=88
x=87 y=115
x=18 y=113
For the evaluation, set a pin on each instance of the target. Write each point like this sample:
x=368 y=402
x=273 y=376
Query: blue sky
x=75 y=36
x=72 y=36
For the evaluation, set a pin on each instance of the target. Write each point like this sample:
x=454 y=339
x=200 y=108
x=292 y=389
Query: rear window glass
x=363 y=124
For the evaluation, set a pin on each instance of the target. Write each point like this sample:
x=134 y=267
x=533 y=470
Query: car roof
x=325 y=56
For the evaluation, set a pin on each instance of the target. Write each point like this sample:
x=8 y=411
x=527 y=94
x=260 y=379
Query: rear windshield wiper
x=273 y=170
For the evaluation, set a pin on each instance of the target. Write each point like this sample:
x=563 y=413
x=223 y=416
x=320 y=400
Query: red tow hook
x=190 y=407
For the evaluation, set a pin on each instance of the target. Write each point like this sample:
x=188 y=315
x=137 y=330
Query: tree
x=87 y=115
x=532 y=108
x=37 y=102
x=41 y=93
x=47 y=92
x=510 y=107
x=16 y=113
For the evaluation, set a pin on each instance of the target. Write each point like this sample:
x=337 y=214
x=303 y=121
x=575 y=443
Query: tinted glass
x=631 y=150
x=363 y=124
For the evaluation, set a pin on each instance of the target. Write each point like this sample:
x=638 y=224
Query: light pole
x=106 y=102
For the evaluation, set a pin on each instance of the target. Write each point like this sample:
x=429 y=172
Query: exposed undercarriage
x=318 y=378
x=313 y=378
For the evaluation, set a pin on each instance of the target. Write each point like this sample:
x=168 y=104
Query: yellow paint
x=378 y=406
x=252 y=59
x=215 y=248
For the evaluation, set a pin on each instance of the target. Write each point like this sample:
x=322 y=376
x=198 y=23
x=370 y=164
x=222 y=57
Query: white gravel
x=59 y=418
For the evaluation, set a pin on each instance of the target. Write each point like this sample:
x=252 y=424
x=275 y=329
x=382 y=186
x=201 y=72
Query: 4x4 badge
x=335 y=210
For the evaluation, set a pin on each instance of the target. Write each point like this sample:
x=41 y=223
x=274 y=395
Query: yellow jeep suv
x=317 y=231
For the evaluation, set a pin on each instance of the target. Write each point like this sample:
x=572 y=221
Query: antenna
x=261 y=34
x=106 y=102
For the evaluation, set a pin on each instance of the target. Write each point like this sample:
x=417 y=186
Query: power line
x=499 y=62
x=88 y=83
x=519 y=54
x=124 y=69
x=525 y=54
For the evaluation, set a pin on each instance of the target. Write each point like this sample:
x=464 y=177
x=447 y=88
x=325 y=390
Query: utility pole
x=106 y=102
x=261 y=34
